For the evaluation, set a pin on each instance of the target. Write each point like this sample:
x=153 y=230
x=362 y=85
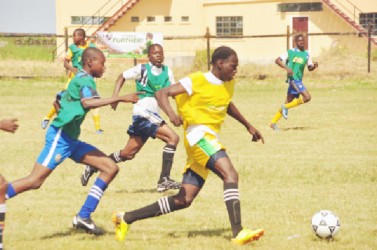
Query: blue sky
x=27 y=16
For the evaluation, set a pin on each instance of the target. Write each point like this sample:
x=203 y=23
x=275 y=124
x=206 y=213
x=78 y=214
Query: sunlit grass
x=324 y=157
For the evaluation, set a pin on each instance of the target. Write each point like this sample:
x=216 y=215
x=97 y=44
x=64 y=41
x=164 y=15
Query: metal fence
x=50 y=40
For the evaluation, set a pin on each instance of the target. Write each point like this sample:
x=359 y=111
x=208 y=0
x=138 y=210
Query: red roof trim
x=120 y=13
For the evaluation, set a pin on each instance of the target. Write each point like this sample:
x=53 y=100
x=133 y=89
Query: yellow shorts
x=199 y=154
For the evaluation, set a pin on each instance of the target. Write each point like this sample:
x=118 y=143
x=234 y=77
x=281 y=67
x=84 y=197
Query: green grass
x=324 y=157
x=27 y=48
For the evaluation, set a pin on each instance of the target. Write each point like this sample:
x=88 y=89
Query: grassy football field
x=323 y=157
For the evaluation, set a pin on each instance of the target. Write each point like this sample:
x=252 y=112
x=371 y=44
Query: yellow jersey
x=208 y=103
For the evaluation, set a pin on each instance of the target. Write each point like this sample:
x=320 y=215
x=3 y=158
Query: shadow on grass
x=71 y=232
x=206 y=233
x=296 y=128
x=146 y=190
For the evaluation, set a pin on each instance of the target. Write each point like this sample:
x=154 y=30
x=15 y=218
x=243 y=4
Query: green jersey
x=72 y=113
x=152 y=83
x=74 y=54
x=297 y=61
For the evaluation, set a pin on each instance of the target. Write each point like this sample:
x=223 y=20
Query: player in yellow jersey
x=203 y=101
x=73 y=57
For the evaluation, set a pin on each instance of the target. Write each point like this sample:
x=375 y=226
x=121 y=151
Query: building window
x=168 y=19
x=151 y=19
x=185 y=19
x=229 y=26
x=299 y=7
x=88 y=20
x=134 y=19
x=367 y=19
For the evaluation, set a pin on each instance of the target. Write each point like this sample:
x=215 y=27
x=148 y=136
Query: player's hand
x=256 y=134
x=289 y=72
x=133 y=97
x=9 y=125
x=176 y=120
x=114 y=106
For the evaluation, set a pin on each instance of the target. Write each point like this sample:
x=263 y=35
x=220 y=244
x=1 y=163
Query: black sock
x=116 y=157
x=163 y=206
x=167 y=160
x=232 y=202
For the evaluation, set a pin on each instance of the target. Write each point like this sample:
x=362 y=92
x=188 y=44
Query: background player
x=294 y=62
x=73 y=57
x=147 y=122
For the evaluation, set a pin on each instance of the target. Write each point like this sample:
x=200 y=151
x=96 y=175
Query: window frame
x=229 y=26
x=300 y=7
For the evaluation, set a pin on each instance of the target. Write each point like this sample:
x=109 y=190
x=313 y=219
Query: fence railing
x=208 y=37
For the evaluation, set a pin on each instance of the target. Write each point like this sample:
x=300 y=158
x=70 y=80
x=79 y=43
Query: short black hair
x=222 y=52
x=298 y=36
x=89 y=53
x=154 y=45
x=82 y=31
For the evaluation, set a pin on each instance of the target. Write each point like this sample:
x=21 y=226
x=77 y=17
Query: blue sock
x=10 y=192
x=93 y=198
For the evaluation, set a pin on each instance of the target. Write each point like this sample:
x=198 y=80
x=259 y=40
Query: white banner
x=127 y=44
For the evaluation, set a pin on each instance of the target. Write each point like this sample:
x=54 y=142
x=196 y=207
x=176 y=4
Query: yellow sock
x=276 y=117
x=96 y=118
x=50 y=114
x=294 y=103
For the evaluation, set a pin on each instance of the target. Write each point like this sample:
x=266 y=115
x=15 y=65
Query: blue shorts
x=299 y=85
x=59 y=146
x=144 y=127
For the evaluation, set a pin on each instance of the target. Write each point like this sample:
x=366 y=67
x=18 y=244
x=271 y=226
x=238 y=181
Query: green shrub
x=200 y=61
x=373 y=55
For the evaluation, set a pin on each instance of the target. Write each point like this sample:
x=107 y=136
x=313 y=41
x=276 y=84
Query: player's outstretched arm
x=99 y=102
x=236 y=114
x=9 y=125
x=162 y=97
x=118 y=86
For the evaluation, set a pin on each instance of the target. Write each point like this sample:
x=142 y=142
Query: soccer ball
x=325 y=224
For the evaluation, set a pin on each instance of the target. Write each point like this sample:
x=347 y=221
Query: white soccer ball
x=325 y=224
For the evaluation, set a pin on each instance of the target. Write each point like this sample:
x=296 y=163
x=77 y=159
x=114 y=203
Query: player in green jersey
x=294 y=61
x=72 y=63
x=147 y=122
x=62 y=139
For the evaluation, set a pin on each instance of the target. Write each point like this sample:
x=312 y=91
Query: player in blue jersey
x=7 y=125
x=62 y=139
x=147 y=123
x=294 y=61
